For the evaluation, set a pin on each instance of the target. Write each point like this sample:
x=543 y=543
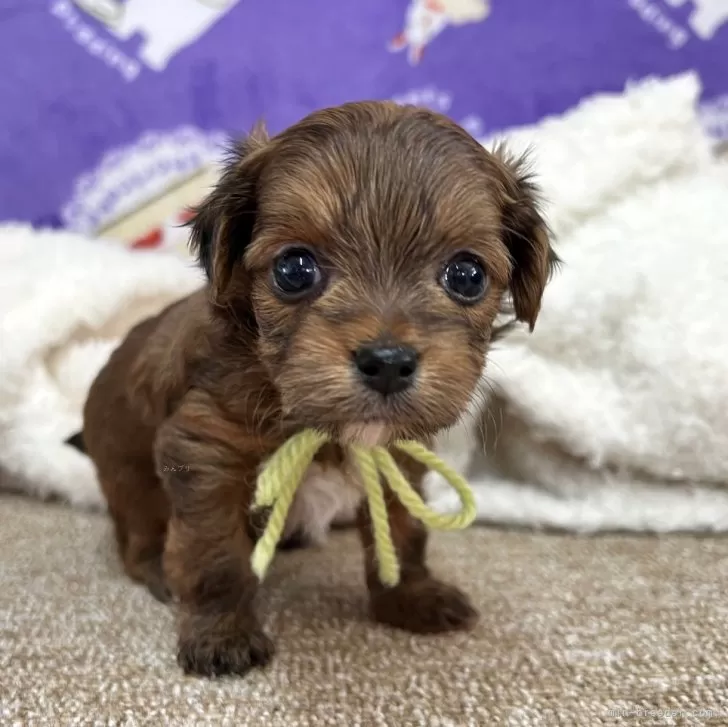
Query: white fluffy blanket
x=613 y=414
x=64 y=303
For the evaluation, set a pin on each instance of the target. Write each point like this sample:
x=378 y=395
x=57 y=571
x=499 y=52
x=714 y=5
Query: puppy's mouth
x=367 y=434
x=363 y=430
x=349 y=423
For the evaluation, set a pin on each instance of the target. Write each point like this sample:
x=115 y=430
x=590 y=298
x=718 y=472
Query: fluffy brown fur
x=195 y=399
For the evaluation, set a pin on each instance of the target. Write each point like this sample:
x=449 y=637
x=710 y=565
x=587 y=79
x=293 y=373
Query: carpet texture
x=610 y=630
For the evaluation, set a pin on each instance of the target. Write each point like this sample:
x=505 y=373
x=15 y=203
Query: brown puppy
x=356 y=262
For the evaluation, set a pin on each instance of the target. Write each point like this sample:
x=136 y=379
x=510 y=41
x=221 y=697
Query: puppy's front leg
x=209 y=478
x=419 y=602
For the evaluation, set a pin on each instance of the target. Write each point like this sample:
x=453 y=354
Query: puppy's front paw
x=213 y=654
x=426 y=606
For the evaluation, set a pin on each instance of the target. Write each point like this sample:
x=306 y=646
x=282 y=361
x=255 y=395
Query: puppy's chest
x=329 y=494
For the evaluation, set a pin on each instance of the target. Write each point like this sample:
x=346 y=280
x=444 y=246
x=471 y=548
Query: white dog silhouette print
x=426 y=19
x=167 y=25
x=707 y=16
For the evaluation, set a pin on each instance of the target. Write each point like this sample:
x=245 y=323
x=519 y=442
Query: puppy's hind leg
x=140 y=513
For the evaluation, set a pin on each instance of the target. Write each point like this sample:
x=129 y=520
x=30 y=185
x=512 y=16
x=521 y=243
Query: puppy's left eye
x=296 y=273
x=464 y=279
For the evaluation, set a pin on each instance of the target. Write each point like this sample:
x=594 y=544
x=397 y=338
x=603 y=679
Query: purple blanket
x=106 y=103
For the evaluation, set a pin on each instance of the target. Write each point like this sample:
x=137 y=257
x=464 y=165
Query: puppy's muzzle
x=386 y=369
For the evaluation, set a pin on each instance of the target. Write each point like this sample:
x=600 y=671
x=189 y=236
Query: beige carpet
x=572 y=630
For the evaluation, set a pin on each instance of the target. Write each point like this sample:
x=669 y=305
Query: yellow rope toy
x=285 y=470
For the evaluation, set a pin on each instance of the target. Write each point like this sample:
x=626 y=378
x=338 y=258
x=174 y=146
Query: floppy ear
x=223 y=224
x=525 y=234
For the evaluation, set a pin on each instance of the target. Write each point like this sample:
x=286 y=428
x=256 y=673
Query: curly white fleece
x=65 y=301
x=614 y=413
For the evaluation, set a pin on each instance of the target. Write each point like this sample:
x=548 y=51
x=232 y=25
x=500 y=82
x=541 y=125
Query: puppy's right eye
x=295 y=273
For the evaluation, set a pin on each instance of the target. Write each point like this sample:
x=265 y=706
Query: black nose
x=386 y=369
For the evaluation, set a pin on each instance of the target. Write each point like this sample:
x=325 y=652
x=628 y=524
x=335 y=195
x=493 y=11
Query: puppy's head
x=369 y=247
